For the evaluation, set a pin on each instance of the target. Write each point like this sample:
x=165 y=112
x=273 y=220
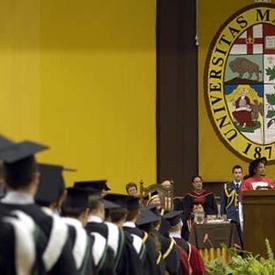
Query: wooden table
x=210 y=238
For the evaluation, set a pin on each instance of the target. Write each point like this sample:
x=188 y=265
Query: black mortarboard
x=146 y=216
x=96 y=184
x=5 y=142
x=173 y=217
x=20 y=151
x=153 y=208
x=51 y=184
x=19 y=162
x=119 y=199
x=253 y=165
x=76 y=198
x=92 y=192
x=124 y=201
x=95 y=194
x=110 y=205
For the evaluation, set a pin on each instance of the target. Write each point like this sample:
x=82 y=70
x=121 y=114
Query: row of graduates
x=91 y=234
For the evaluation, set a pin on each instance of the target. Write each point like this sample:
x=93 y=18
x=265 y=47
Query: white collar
x=18 y=197
x=96 y=219
x=72 y=221
x=237 y=183
x=129 y=224
x=50 y=211
x=175 y=235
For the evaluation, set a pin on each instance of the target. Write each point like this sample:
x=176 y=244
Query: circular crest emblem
x=240 y=81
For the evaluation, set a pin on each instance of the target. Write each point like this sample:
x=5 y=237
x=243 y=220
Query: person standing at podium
x=257 y=179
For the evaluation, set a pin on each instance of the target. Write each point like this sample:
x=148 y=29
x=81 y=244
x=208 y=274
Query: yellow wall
x=80 y=76
x=215 y=159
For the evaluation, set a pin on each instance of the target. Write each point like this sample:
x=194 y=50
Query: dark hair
x=117 y=214
x=254 y=165
x=196 y=177
x=236 y=167
x=129 y=185
x=132 y=214
x=19 y=174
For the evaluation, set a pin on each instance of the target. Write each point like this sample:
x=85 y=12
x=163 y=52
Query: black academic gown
x=129 y=263
x=107 y=264
x=64 y=263
x=170 y=255
x=14 y=230
x=148 y=255
x=7 y=253
x=82 y=247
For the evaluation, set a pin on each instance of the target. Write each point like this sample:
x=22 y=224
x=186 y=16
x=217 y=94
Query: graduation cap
x=173 y=217
x=5 y=142
x=91 y=192
x=95 y=194
x=51 y=184
x=146 y=217
x=96 y=184
x=124 y=201
x=110 y=205
x=19 y=162
x=253 y=165
x=76 y=198
x=19 y=151
x=153 y=208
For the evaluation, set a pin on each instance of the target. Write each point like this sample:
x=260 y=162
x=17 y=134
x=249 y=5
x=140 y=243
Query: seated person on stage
x=199 y=196
x=166 y=184
x=187 y=223
x=256 y=178
x=131 y=189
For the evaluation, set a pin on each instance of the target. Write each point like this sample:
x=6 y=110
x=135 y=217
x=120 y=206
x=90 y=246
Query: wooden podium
x=259 y=220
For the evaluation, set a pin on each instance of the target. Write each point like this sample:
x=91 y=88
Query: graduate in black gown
x=75 y=212
x=50 y=196
x=195 y=261
x=19 y=253
x=21 y=177
x=107 y=236
x=169 y=250
x=141 y=240
x=145 y=222
x=129 y=262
